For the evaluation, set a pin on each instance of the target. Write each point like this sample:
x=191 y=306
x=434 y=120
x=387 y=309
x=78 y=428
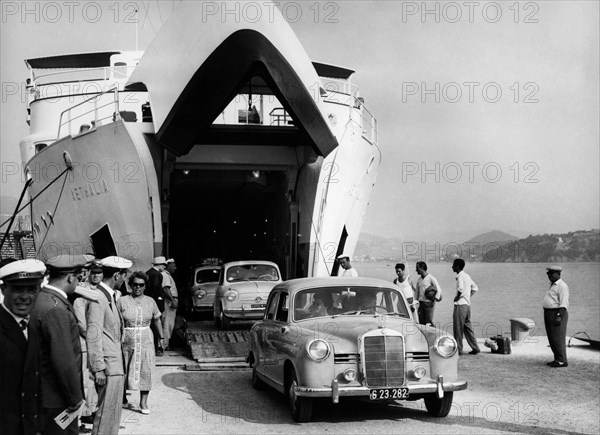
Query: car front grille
x=384 y=361
x=346 y=358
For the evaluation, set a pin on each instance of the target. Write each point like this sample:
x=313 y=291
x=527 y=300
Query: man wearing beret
x=54 y=325
x=19 y=358
x=556 y=316
x=105 y=354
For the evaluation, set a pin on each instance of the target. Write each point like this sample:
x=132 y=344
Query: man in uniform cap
x=103 y=338
x=155 y=290
x=86 y=268
x=556 y=316
x=54 y=326
x=20 y=282
x=346 y=268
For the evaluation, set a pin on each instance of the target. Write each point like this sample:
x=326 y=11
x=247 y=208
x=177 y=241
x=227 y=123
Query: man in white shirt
x=346 y=268
x=406 y=285
x=461 y=318
x=428 y=293
x=556 y=316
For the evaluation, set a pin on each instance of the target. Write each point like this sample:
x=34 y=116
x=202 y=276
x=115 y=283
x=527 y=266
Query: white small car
x=243 y=289
x=202 y=287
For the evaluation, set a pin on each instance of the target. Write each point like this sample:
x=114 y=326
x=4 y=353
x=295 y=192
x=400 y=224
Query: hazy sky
x=488 y=113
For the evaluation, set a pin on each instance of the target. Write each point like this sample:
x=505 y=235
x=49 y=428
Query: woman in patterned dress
x=138 y=313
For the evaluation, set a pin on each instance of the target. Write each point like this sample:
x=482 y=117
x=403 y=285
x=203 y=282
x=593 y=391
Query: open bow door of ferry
x=242 y=148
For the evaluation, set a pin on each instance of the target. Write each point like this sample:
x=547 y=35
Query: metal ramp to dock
x=217 y=350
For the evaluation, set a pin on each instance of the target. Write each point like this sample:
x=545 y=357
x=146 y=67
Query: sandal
x=129 y=406
x=145 y=411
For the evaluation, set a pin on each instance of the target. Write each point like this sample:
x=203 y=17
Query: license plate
x=389 y=393
x=258 y=306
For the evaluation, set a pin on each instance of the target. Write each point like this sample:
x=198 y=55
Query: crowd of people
x=75 y=337
x=423 y=295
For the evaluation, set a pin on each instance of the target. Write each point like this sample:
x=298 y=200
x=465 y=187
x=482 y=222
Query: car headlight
x=446 y=346
x=201 y=294
x=231 y=295
x=318 y=350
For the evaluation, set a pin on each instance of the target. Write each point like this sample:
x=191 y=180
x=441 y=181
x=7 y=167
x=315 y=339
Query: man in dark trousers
x=20 y=282
x=154 y=287
x=556 y=316
x=461 y=317
x=54 y=326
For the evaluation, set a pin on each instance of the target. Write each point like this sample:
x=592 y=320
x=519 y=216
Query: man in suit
x=54 y=326
x=20 y=282
x=154 y=287
x=103 y=338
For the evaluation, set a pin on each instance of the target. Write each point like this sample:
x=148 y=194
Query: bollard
x=520 y=327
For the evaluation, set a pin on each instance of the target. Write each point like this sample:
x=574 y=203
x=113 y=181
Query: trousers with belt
x=556 y=329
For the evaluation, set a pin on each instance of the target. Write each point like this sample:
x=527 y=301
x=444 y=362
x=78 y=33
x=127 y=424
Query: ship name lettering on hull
x=89 y=190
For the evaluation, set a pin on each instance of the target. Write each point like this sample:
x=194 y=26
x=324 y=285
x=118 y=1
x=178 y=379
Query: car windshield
x=252 y=272
x=207 y=275
x=349 y=301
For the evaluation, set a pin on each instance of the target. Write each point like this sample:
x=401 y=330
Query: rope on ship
x=39 y=249
x=10 y=220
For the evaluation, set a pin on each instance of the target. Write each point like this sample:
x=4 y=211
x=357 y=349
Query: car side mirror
x=285 y=329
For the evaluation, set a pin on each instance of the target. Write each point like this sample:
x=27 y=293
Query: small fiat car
x=350 y=337
x=203 y=285
x=243 y=289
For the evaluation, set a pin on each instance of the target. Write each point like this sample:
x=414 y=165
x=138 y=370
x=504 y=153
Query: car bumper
x=249 y=314
x=416 y=389
x=202 y=307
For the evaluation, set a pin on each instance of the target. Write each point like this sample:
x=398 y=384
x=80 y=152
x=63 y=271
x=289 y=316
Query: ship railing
x=69 y=113
x=118 y=72
x=280 y=117
x=369 y=123
x=347 y=94
x=339 y=86
x=48 y=85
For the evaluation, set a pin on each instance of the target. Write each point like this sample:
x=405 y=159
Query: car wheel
x=224 y=320
x=301 y=407
x=257 y=383
x=437 y=407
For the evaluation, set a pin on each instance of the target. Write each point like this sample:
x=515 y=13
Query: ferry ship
x=222 y=139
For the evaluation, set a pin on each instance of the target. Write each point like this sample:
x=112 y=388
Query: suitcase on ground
x=503 y=344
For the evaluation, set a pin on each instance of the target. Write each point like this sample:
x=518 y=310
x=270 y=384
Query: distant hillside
x=371 y=247
x=492 y=237
x=476 y=248
x=493 y=246
x=573 y=246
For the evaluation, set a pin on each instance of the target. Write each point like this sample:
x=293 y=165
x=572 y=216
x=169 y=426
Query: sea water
x=506 y=291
